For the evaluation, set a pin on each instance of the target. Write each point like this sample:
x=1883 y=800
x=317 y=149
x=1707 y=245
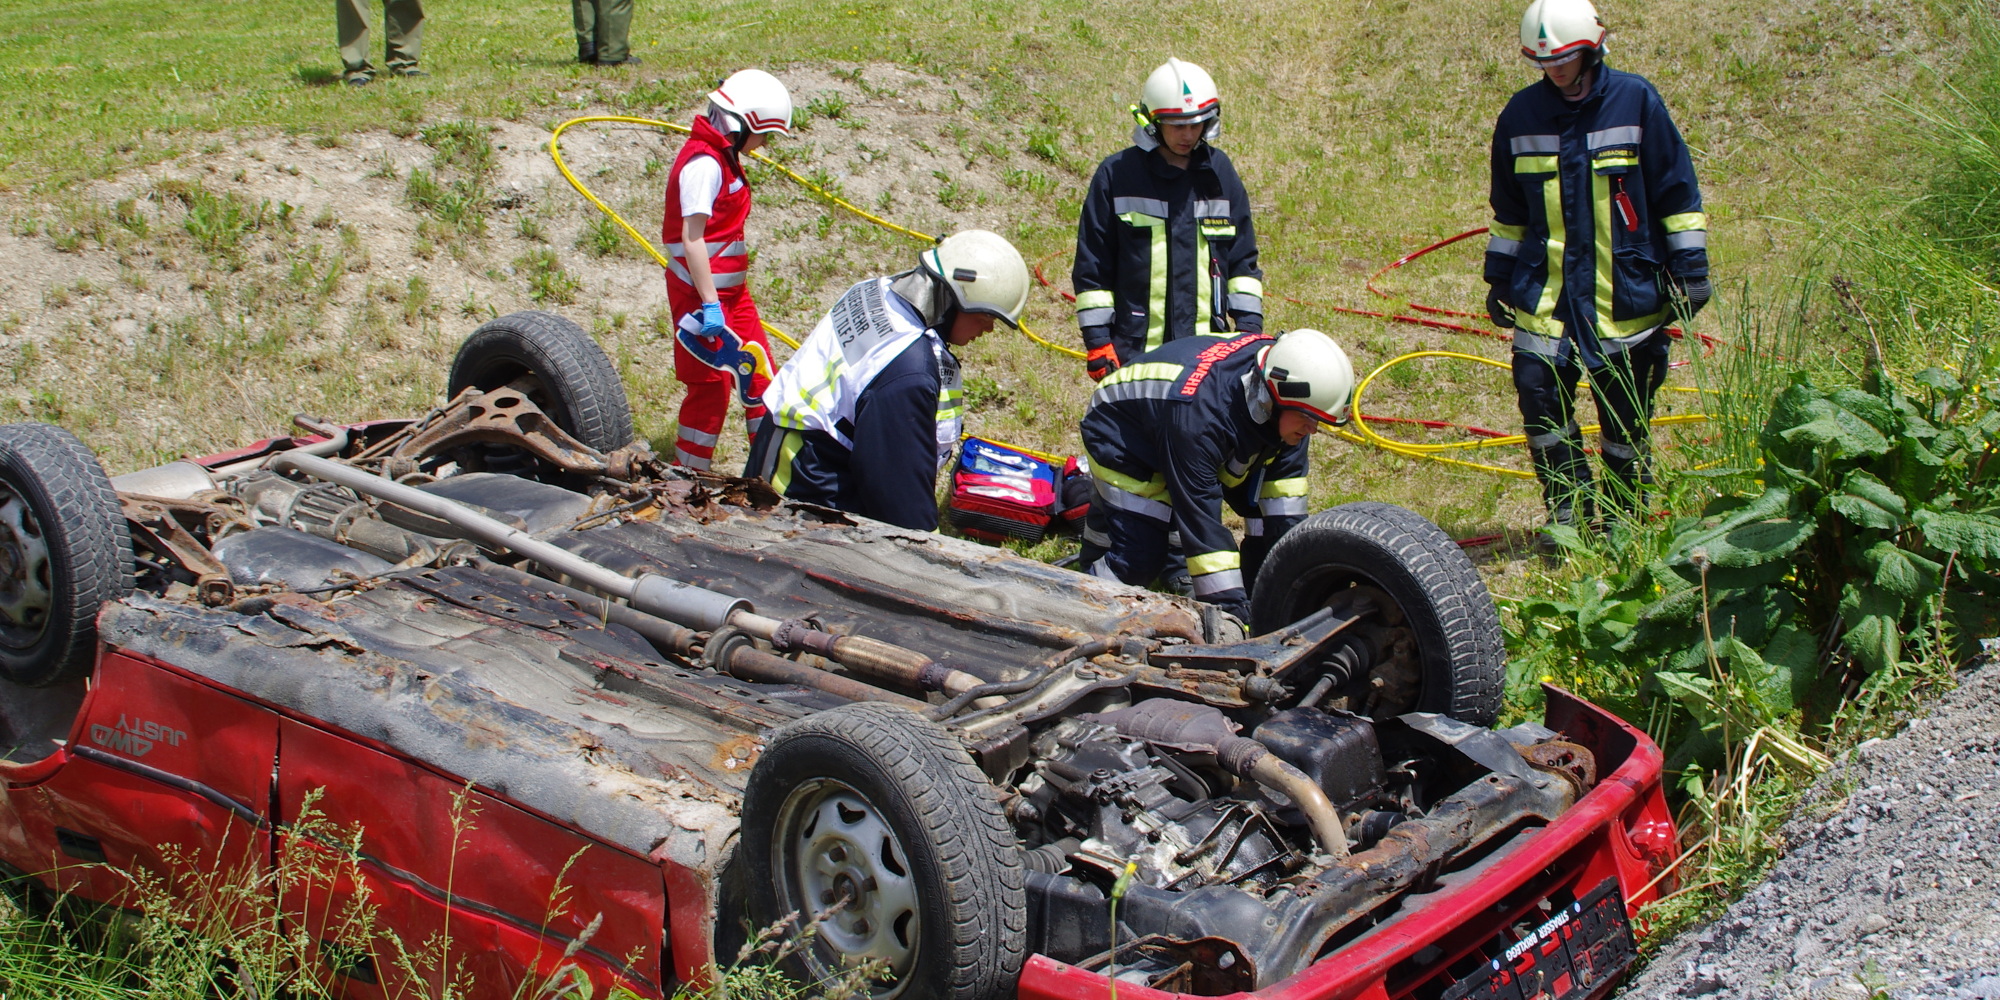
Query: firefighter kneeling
x=1182 y=428
x=869 y=408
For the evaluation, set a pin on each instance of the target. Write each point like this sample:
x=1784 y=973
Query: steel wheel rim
x=833 y=844
x=27 y=593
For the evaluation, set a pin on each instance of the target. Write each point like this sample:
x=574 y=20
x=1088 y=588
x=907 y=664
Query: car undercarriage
x=952 y=763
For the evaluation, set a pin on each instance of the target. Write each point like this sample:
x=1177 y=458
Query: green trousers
x=402 y=22
x=603 y=25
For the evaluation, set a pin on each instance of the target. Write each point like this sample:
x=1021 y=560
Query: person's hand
x=1697 y=291
x=712 y=323
x=1101 y=361
x=1497 y=308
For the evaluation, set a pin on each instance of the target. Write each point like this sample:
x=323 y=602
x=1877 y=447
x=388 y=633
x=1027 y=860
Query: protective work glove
x=1497 y=308
x=1101 y=361
x=1697 y=291
x=712 y=323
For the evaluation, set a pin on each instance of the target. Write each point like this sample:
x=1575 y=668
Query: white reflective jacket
x=818 y=389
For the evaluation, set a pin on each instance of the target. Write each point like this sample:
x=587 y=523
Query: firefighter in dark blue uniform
x=1598 y=242
x=1179 y=430
x=1164 y=247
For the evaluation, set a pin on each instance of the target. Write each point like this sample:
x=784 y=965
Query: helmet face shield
x=1551 y=62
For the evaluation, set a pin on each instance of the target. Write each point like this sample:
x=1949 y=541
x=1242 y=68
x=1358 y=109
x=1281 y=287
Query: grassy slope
x=1359 y=126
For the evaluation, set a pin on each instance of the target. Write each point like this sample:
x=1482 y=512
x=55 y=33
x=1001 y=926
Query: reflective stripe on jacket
x=1594 y=203
x=1159 y=251
x=1181 y=429
x=728 y=254
x=821 y=387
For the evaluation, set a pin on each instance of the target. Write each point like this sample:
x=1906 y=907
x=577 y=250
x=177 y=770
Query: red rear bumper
x=1621 y=830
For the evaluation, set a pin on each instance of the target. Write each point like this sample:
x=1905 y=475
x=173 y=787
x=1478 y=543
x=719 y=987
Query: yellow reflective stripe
x=1283 y=488
x=1247 y=285
x=788 y=451
x=1202 y=286
x=1615 y=161
x=1507 y=232
x=1099 y=299
x=1626 y=328
x=951 y=404
x=1684 y=221
x=1214 y=562
x=1218 y=232
x=1534 y=164
x=1600 y=208
x=1543 y=320
x=1156 y=301
x=1228 y=478
x=1148 y=488
x=1157 y=370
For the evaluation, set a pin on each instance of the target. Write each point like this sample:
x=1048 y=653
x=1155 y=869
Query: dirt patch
x=1889 y=883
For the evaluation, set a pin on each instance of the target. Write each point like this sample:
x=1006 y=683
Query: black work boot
x=586 y=53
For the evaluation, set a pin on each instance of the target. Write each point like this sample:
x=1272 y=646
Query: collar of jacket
x=1198 y=161
x=1599 y=75
x=705 y=133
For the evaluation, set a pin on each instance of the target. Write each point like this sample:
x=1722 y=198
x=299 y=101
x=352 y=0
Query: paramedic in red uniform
x=719 y=342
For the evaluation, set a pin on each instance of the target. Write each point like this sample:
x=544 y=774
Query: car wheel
x=877 y=825
x=64 y=551
x=569 y=376
x=1442 y=652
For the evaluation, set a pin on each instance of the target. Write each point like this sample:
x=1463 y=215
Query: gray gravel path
x=1890 y=880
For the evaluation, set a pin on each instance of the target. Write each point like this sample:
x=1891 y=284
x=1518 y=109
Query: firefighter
x=1598 y=241
x=719 y=341
x=869 y=408
x=1179 y=430
x=1165 y=248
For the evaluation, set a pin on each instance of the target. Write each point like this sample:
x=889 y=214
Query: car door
x=159 y=800
x=408 y=880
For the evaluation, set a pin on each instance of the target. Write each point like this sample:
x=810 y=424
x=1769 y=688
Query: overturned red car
x=497 y=655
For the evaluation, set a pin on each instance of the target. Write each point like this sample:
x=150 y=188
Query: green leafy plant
x=547 y=280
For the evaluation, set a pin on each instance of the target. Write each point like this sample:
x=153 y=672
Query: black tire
x=64 y=551
x=579 y=386
x=946 y=900
x=1460 y=653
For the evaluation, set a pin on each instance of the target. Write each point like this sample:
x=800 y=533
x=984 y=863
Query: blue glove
x=712 y=323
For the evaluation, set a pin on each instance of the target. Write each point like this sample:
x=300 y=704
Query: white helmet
x=1307 y=371
x=1181 y=92
x=1556 y=31
x=984 y=272
x=751 y=100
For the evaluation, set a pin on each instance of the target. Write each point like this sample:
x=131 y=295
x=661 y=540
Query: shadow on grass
x=317 y=76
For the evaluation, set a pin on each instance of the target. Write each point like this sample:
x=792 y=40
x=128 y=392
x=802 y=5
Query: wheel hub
x=843 y=865
x=25 y=594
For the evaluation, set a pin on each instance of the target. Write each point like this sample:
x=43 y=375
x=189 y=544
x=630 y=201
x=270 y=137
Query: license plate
x=1572 y=954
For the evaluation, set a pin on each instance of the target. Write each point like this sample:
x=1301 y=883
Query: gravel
x=1889 y=883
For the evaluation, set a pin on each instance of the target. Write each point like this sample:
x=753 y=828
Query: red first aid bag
x=1000 y=492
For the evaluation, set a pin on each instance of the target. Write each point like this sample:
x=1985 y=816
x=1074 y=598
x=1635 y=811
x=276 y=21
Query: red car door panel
x=469 y=884
x=163 y=774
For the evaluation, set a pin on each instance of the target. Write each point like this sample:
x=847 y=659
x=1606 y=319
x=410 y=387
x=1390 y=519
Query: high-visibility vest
x=728 y=254
x=865 y=330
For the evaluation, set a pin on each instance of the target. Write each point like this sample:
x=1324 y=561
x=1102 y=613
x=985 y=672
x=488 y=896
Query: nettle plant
x=1789 y=610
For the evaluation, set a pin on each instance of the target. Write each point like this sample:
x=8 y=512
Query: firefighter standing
x=1597 y=232
x=1165 y=248
x=719 y=341
x=1202 y=420
x=869 y=408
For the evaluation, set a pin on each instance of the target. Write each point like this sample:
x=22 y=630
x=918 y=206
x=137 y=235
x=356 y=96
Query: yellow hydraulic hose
x=1364 y=434
x=555 y=152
